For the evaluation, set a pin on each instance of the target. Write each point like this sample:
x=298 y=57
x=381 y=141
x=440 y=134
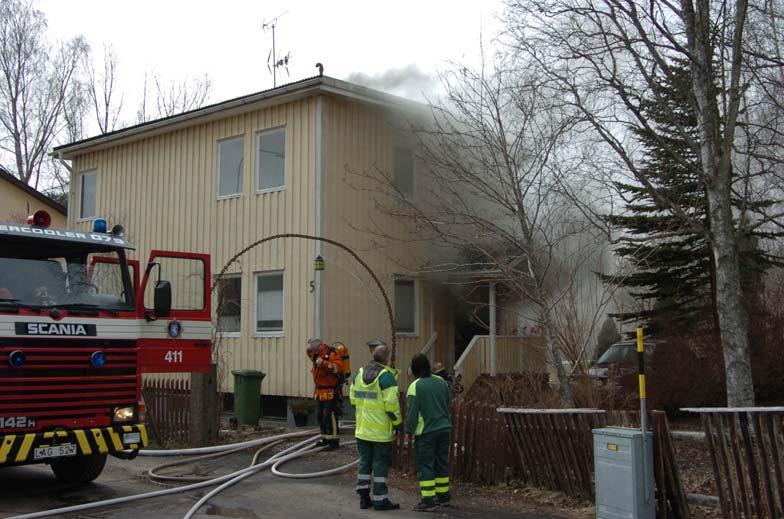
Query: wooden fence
x=479 y=451
x=168 y=410
x=747 y=453
x=555 y=447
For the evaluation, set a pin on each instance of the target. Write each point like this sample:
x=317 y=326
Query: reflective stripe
x=428 y=493
x=428 y=483
x=364 y=477
x=380 y=497
x=379 y=480
x=369 y=395
x=83 y=443
x=363 y=486
x=25 y=448
x=442 y=480
x=442 y=490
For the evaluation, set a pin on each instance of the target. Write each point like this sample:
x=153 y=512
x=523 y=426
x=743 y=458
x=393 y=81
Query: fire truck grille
x=58 y=386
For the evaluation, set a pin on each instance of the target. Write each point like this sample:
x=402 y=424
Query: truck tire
x=79 y=469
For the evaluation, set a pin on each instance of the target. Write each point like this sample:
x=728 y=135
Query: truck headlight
x=124 y=414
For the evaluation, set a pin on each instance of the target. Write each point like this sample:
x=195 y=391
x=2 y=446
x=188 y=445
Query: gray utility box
x=624 y=489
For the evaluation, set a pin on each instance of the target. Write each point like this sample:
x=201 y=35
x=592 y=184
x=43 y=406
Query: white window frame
x=257 y=161
x=229 y=335
x=256 y=276
x=79 y=190
x=217 y=167
x=417 y=305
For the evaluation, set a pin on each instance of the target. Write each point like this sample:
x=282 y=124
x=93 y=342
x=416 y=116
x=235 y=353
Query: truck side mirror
x=162 y=298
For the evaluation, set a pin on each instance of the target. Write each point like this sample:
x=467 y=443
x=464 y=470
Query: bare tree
x=35 y=84
x=602 y=58
x=496 y=187
x=173 y=96
x=103 y=91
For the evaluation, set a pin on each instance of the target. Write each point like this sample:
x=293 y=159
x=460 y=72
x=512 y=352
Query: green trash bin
x=247 y=395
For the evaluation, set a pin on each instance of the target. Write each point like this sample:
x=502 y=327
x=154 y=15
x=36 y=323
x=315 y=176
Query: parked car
x=620 y=359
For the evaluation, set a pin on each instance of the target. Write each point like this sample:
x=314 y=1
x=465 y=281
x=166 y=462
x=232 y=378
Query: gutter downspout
x=317 y=292
x=70 y=185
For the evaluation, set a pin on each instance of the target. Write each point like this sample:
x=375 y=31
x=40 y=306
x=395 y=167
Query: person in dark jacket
x=428 y=419
x=440 y=370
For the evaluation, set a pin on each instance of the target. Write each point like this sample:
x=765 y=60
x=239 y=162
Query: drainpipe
x=317 y=292
x=70 y=184
x=493 y=358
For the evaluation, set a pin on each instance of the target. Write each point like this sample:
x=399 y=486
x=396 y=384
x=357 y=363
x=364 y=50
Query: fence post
x=203 y=427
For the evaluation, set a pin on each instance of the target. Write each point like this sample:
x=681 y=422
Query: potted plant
x=300 y=409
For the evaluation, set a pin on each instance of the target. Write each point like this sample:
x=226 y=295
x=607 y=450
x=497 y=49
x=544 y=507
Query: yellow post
x=643 y=407
x=641 y=362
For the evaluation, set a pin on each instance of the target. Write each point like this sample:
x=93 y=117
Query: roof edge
x=54 y=204
x=324 y=84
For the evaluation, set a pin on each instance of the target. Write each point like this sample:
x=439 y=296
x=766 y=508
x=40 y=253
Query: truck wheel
x=79 y=469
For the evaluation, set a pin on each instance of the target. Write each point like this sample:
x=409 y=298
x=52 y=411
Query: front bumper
x=19 y=449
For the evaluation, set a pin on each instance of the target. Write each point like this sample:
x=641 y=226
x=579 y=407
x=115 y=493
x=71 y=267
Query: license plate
x=55 y=451
x=129 y=438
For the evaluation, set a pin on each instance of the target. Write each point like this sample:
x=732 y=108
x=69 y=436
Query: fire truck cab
x=79 y=324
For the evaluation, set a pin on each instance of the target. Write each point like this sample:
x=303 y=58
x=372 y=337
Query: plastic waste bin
x=247 y=395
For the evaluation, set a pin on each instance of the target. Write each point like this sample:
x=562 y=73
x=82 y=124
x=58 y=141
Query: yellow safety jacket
x=375 y=407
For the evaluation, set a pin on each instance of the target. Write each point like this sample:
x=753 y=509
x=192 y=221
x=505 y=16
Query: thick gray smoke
x=408 y=81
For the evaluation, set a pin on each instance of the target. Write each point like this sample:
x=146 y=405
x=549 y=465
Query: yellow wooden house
x=19 y=200
x=285 y=160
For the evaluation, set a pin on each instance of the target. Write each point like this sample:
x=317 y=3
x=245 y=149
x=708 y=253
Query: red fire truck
x=79 y=324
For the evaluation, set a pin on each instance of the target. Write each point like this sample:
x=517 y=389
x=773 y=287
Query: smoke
x=408 y=81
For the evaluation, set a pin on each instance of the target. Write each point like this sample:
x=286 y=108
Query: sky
x=397 y=46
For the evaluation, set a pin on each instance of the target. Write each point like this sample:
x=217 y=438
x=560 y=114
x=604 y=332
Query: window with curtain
x=269 y=302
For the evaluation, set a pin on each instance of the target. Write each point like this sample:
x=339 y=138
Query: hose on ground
x=162 y=478
x=300 y=449
x=311 y=475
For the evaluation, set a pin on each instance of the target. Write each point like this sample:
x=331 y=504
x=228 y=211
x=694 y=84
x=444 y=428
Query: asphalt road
x=33 y=488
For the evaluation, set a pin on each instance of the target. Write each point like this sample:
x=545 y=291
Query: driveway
x=32 y=488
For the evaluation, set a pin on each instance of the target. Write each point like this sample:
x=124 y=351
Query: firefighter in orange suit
x=327 y=373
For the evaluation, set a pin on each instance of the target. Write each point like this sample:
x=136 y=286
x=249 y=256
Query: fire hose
x=297 y=450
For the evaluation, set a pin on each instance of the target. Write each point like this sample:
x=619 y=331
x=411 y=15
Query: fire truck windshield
x=77 y=276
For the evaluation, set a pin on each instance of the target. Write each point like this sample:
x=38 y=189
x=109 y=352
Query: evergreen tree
x=673 y=265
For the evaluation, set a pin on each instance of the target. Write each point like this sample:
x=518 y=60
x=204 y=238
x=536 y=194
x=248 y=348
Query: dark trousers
x=432 y=459
x=374 y=461
x=327 y=416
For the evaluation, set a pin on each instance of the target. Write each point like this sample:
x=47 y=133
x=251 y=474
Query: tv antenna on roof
x=273 y=61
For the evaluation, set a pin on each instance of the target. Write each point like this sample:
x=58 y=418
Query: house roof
x=273 y=96
x=11 y=179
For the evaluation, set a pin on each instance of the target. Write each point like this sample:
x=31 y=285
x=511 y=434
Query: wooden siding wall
x=16 y=205
x=163 y=190
x=359 y=141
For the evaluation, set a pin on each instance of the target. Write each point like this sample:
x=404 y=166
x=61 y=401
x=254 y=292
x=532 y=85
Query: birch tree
x=602 y=57
x=496 y=190
x=36 y=77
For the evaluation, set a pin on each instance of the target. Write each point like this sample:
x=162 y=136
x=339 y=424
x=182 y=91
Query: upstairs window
x=271 y=159
x=231 y=160
x=404 y=171
x=87 y=194
x=405 y=306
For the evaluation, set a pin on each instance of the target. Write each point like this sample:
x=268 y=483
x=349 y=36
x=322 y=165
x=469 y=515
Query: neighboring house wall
x=17 y=203
x=163 y=190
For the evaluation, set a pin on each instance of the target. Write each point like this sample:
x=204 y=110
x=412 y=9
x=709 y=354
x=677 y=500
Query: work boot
x=330 y=445
x=425 y=505
x=386 y=504
x=364 y=500
x=443 y=499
